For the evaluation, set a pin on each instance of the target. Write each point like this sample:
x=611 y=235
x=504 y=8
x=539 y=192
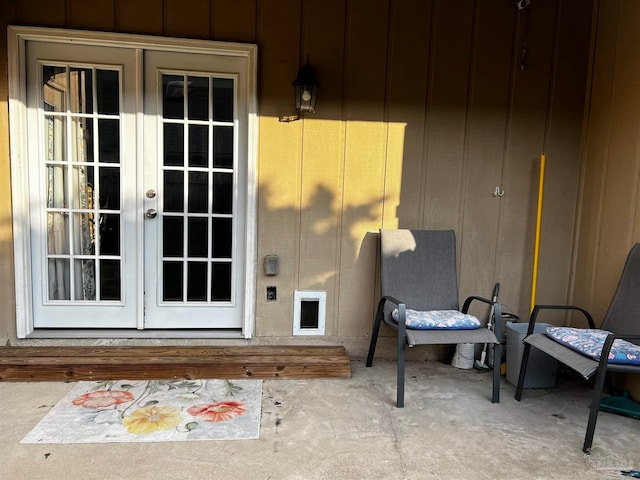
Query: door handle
x=151 y=213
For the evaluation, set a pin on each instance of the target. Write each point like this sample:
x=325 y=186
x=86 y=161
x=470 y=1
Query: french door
x=195 y=191
x=137 y=187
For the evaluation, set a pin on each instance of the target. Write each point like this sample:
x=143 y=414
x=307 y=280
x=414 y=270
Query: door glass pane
x=82 y=131
x=198 y=192
x=198 y=145
x=110 y=279
x=172 y=96
x=173 y=134
x=221 y=240
x=172 y=281
x=198 y=237
x=83 y=234
x=197 y=281
x=223 y=147
x=57 y=186
x=59 y=279
x=54 y=80
x=110 y=188
x=172 y=238
x=81 y=91
x=173 y=191
x=222 y=193
x=109 y=140
x=58 y=234
x=110 y=234
x=198 y=88
x=108 y=91
x=83 y=192
x=78 y=140
x=222 y=99
x=85 y=274
x=55 y=137
x=221 y=281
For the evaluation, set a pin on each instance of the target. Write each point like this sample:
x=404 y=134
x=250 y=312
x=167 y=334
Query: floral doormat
x=153 y=411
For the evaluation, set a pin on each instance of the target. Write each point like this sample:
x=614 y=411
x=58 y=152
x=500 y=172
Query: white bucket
x=463 y=357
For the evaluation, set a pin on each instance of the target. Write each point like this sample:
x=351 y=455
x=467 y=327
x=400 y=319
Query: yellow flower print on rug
x=152 y=419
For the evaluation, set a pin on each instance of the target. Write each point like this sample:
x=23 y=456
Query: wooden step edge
x=256 y=372
x=8 y=352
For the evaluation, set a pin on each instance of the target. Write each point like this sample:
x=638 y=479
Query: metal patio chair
x=622 y=321
x=418 y=272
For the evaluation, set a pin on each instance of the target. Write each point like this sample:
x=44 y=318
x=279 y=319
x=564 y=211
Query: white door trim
x=17 y=40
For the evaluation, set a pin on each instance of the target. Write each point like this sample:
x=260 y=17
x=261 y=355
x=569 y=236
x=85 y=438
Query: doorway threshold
x=69 y=333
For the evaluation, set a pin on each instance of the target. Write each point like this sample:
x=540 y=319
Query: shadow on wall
x=321 y=244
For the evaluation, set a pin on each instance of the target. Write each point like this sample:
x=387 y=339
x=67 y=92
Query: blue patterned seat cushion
x=438 y=320
x=590 y=342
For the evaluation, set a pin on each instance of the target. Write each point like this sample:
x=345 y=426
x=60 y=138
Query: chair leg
x=595 y=409
x=523 y=370
x=374 y=333
x=497 y=354
x=402 y=342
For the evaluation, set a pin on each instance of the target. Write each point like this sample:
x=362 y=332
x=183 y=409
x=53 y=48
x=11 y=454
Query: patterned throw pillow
x=590 y=342
x=438 y=320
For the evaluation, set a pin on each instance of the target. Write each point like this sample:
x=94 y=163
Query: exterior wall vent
x=309 y=311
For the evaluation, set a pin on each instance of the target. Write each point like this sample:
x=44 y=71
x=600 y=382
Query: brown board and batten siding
x=609 y=219
x=423 y=111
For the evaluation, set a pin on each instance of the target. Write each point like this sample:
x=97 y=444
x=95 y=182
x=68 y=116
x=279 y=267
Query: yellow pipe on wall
x=536 y=248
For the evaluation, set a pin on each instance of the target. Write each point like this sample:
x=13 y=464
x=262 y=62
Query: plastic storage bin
x=542 y=369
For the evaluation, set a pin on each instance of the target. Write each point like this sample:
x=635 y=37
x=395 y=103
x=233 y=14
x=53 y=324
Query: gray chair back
x=419 y=267
x=623 y=315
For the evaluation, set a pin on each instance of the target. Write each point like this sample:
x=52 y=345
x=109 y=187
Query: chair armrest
x=608 y=344
x=537 y=308
x=402 y=312
x=390 y=299
x=467 y=302
x=633 y=338
x=497 y=312
x=604 y=353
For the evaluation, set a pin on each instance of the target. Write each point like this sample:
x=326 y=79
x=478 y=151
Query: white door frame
x=18 y=37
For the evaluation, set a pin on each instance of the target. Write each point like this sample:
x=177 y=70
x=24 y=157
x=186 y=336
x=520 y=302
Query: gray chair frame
x=622 y=320
x=418 y=271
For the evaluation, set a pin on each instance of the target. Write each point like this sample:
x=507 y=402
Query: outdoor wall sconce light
x=305 y=89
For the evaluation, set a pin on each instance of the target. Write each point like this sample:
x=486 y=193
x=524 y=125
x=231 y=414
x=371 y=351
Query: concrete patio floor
x=350 y=429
